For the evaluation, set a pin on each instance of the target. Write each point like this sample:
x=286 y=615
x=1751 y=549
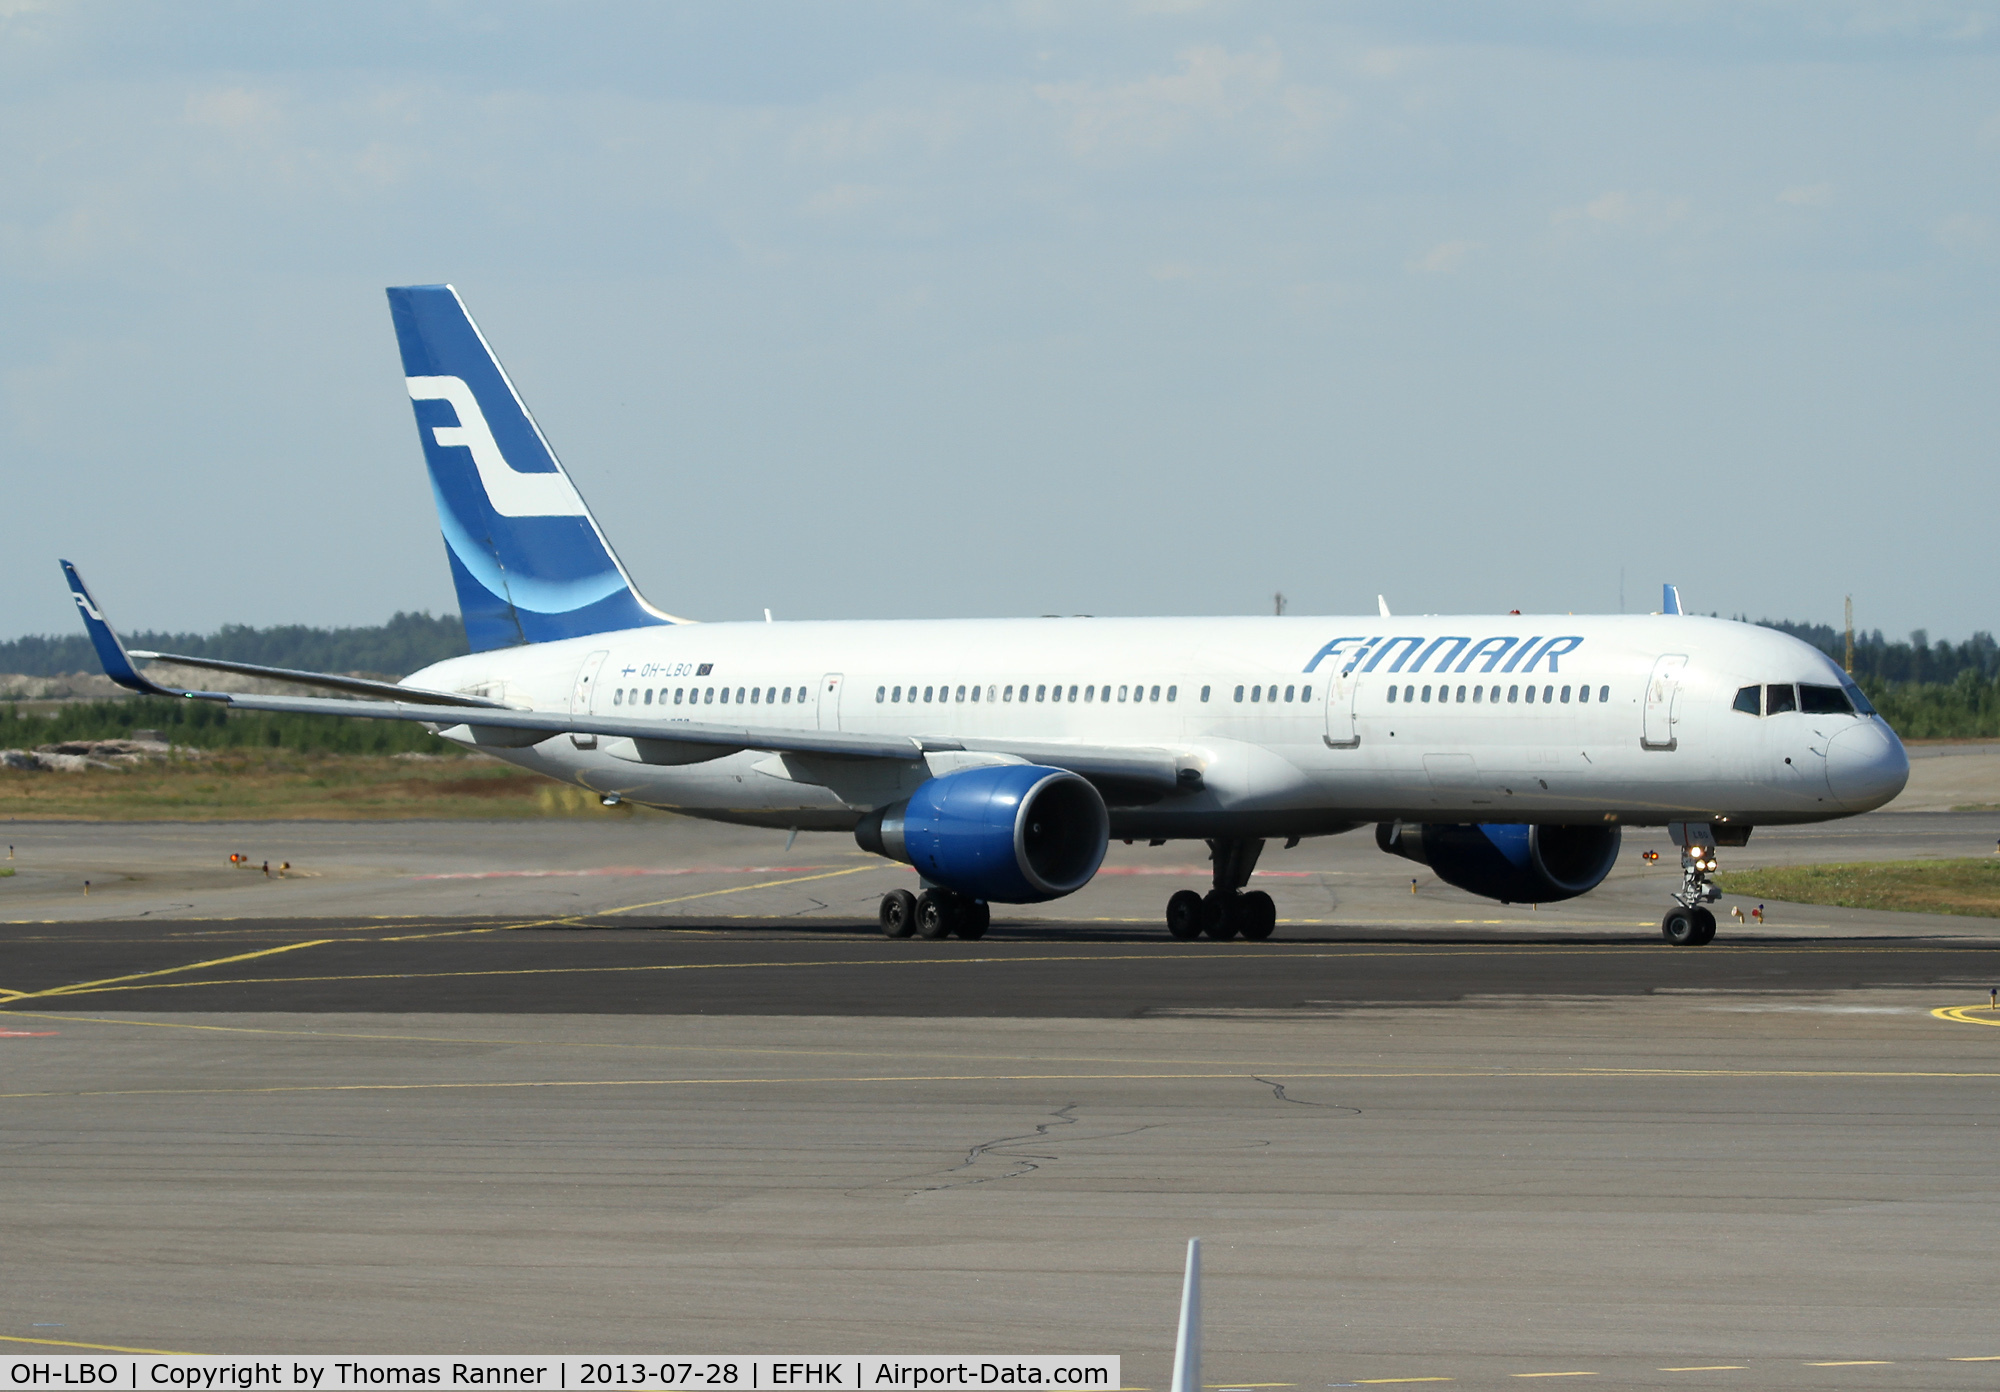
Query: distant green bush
x=1967 y=707
x=208 y=725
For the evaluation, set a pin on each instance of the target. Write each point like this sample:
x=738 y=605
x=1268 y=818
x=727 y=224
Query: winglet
x=1670 y=599
x=110 y=651
x=1382 y=603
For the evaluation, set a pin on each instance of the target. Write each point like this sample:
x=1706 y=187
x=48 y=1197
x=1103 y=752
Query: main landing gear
x=936 y=913
x=1690 y=923
x=1226 y=910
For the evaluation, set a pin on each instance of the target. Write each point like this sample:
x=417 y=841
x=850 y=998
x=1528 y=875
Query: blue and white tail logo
x=529 y=561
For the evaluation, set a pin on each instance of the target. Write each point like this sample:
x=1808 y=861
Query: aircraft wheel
x=1184 y=915
x=1681 y=928
x=1219 y=915
x=1258 y=915
x=937 y=913
x=898 y=914
x=1704 y=923
x=973 y=920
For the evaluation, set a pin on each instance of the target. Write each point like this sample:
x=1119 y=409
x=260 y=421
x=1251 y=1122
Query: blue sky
x=911 y=310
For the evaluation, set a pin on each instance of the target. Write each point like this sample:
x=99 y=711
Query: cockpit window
x=1749 y=700
x=1824 y=700
x=1861 y=702
x=1778 y=699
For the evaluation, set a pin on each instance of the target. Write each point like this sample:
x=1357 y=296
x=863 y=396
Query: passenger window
x=1041 y=692
x=1778 y=699
x=755 y=692
x=1548 y=694
x=1427 y=693
x=1256 y=693
x=618 y=697
x=1305 y=693
x=1477 y=693
x=975 y=693
x=788 y=694
x=927 y=693
x=1072 y=693
x=1090 y=693
x=771 y=697
x=1172 y=692
x=739 y=695
x=1461 y=695
x=1156 y=693
x=1565 y=695
x=1122 y=692
x=1824 y=700
x=961 y=693
x=1583 y=693
x=1603 y=694
x=1008 y=694
x=1239 y=693
x=708 y=695
x=725 y=695
x=1749 y=700
x=1513 y=694
x=1204 y=693
x=1531 y=695
x=1288 y=693
x=1409 y=694
x=881 y=694
x=677 y=695
x=1392 y=695
x=649 y=696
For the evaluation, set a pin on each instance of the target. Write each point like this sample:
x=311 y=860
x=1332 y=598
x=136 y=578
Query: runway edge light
x=1187 y=1343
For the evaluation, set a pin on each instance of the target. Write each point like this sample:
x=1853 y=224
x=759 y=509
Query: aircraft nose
x=1866 y=766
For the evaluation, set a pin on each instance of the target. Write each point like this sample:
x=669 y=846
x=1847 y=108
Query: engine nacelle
x=1508 y=861
x=1007 y=833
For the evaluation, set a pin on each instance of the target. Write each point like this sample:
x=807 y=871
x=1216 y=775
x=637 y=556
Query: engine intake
x=1509 y=861
x=1007 y=834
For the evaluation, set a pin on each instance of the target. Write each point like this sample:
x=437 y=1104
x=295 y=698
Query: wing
x=1121 y=771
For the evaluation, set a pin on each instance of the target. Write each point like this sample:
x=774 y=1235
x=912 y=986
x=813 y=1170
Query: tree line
x=394 y=649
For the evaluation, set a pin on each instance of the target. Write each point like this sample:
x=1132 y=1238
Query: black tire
x=1257 y=914
x=973 y=920
x=1219 y=916
x=1704 y=923
x=937 y=913
x=1184 y=915
x=898 y=914
x=1681 y=928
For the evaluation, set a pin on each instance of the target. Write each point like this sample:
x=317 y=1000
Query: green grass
x=254 y=784
x=1967 y=887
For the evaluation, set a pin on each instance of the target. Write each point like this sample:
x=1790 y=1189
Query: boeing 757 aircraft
x=1000 y=756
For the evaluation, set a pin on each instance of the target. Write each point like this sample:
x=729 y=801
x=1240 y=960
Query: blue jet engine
x=1006 y=834
x=1509 y=861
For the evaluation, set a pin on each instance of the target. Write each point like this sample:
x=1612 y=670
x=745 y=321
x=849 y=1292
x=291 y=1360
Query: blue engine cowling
x=1007 y=833
x=1508 y=861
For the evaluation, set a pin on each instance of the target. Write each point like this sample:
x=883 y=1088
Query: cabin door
x=1663 y=693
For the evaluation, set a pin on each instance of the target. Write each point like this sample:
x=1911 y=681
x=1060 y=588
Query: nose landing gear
x=1690 y=923
x=1225 y=911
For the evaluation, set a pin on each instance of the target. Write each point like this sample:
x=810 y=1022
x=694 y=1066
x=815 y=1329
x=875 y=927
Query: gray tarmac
x=645 y=1085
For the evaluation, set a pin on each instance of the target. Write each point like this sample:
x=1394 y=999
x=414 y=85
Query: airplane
x=999 y=757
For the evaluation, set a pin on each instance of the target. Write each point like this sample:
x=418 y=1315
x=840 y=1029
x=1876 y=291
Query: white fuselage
x=1290 y=721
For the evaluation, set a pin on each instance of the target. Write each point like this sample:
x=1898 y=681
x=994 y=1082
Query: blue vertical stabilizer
x=529 y=561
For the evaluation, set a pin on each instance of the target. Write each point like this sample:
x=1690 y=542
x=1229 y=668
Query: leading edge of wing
x=359 y=686
x=1160 y=769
